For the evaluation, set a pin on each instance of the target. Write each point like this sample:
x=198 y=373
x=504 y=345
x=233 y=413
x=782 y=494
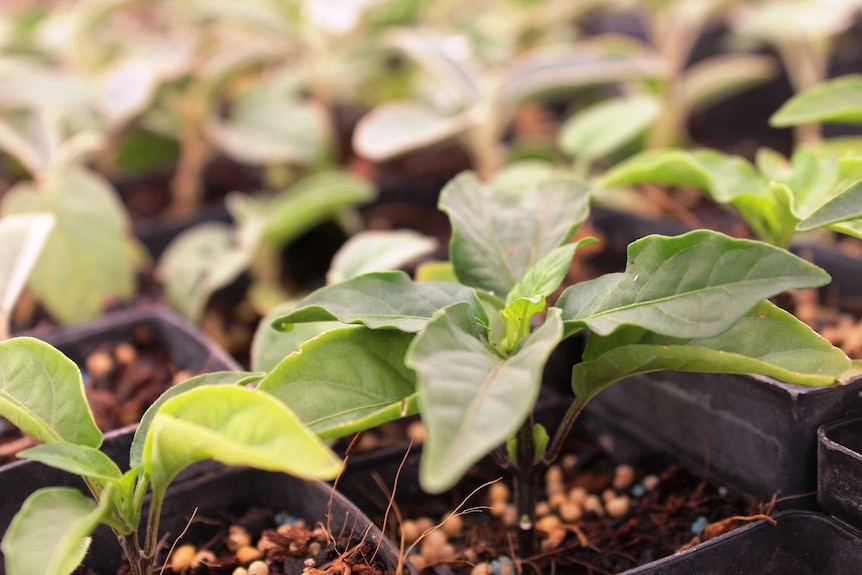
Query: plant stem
x=556 y=443
x=526 y=485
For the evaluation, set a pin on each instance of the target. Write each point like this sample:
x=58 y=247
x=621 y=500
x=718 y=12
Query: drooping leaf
x=548 y=273
x=216 y=378
x=472 y=398
x=836 y=100
x=367 y=385
x=604 y=128
x=21 y=241
x=76 y=459
x=41 y=392
x=378 y=251
x=269 y=345
x=204 y=259
x=842 y=208
x=235 y=426
x=46 y=535
x=85 y=262
x=500 y=234
x=379 y=300
x=311 y=201
x=694 y=285
x=767 y=340
x=395 y=128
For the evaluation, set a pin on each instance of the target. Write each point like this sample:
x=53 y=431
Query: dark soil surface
x=122 y=379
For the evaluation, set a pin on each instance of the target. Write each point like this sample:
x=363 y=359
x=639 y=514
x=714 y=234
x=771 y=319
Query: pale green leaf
x=235 y=426
x=269 y=345
x=694 y=285
x=21 y=241
x=436 y=272
x=548 y=273
x=767 y=340
x=838 y=100
x=45 y=536
x=311 y=201
x=395 y=128
x=367 y=386
x=522 y=174
x=500 y=234
x=216 y=378
x=378 y=251
x=41 y=392
x=378 y=300
x=85 y=263
x=721 y=77
x=76 y=459
x=516 y=318
x=812 y=181
x=471 y=398
x=842 y=208
x=604 y=128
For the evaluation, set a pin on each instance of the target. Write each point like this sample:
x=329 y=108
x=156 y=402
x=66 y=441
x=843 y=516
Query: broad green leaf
x=547 y=275
x=202 y=260
x=378 y=300
x=767 y=340
x=471 y=398
x=84 y=263
x=604 y=128
x=723 y=177
x=311 y=201
x=694 y=285
x=235 y=426
x=21 y=241
x=367 y=386
x=76 y=459
x=851 y=228
x=378 y=251
x=812 y=181
x=395 y=128
x=838 y=100
x=523 y=174
x=718 y=78
x=516 y=317
x=436 y=272
x=45 y=536
x=270 y=345
x=497 y=235
x=842 y=208
x=268 y=126
x=41 y=392
x=216 y=378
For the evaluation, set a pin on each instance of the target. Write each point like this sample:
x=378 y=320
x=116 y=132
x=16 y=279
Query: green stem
x=556 y=443
x=526 y=486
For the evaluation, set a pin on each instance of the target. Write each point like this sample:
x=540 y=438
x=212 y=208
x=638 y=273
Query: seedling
x=777 y=199
x=213 y=416
x=465 y=356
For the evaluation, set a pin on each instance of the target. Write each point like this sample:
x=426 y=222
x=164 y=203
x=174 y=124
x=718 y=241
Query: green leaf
x=235 y=426
x=721 y=77
x=767 y=340
x=85 y=261
x=367 y=386
x=604 y=128
x=547 y=275
x=812 y=181
x=41 y=392
x=471 y=398
x=378 y=300
x=311 y=201
x=838 y=100
x=723 y=177
x=76 y=459
x=378 y=251
x=21 y=240
x=268 y=126
x=497 y=235
x=842 y=208
x=522 y=174
x=516 y=317
x=395 y=128
x=694 y=285
x=46 y=535
x=270 y=345
x=436 y=272
x=204 y=259
x=216 y=378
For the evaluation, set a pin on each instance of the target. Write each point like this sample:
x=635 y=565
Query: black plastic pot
x=801 y=543
x=839 y=469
